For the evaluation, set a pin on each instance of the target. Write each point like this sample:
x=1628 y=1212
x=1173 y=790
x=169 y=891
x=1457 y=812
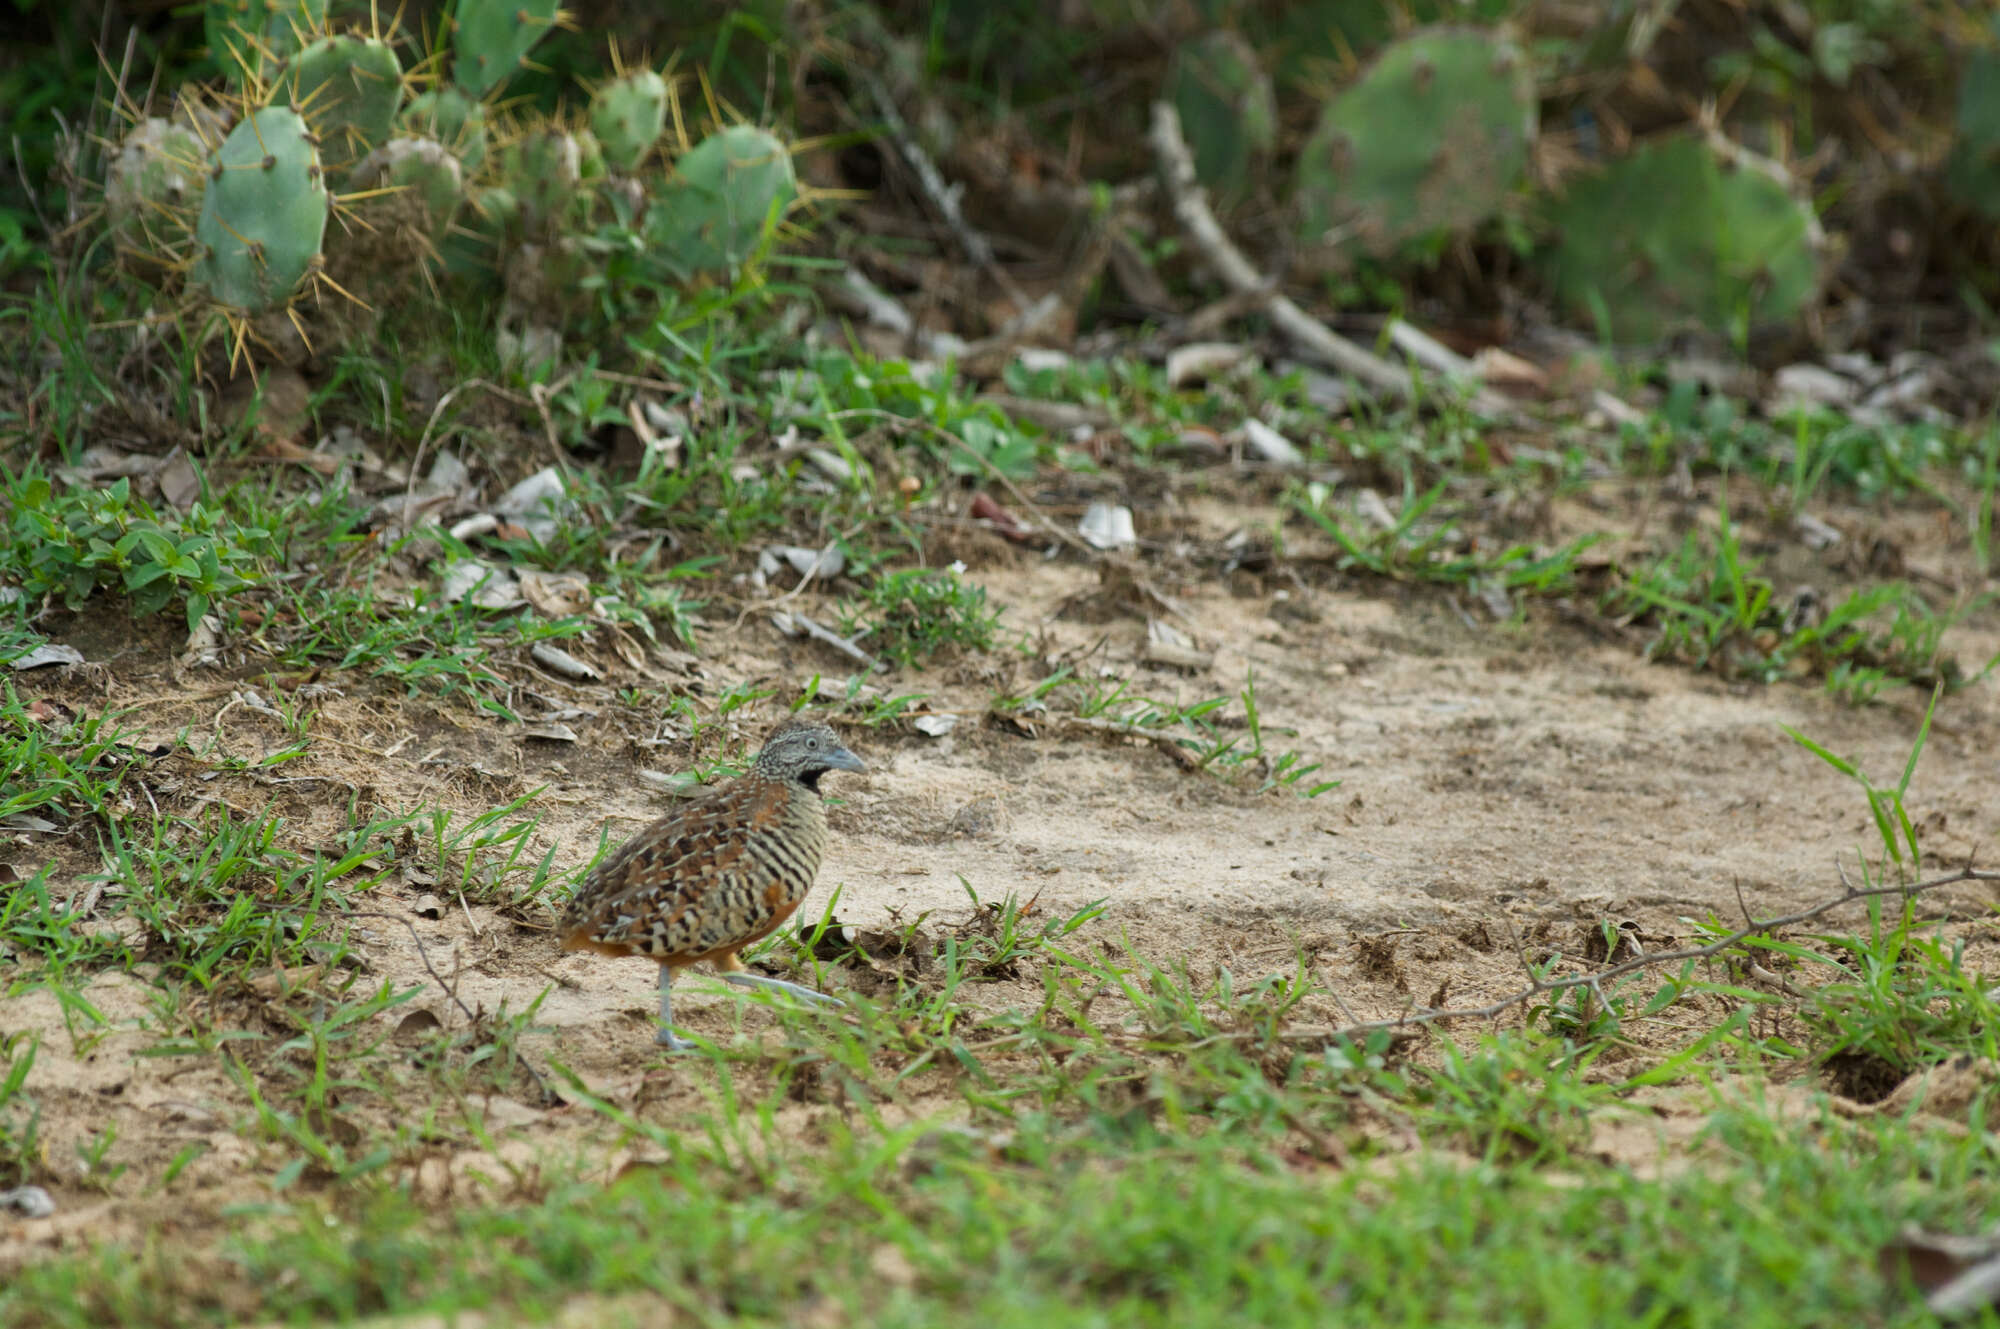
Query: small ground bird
x=718 y=874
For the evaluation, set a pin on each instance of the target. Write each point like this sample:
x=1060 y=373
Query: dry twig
x=1198 y=223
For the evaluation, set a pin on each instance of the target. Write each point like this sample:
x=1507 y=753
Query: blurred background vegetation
x=1771 y=179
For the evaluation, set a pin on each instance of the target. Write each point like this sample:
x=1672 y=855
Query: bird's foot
x=749 y=980
x=673 y=1042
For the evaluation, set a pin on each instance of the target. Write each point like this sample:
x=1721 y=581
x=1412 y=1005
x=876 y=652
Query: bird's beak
x=840 y=759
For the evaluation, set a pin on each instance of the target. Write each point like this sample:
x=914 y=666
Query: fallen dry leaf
x=1006 y=523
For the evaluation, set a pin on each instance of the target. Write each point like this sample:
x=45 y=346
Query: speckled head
x=804 y=750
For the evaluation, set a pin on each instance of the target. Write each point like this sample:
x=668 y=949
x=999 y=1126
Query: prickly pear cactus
x=453 y=119
x=541 y=170
x=348 y=89
x=1434 y=136
x=421 y=170
x=589 y=155
x=151 y=190
x=491 y=38
x=477 y=241
x=1972 y=172
x=1679 y=234
x=1227 y=110
x=721 y=201
x=251 y=39
x=263 y=213
x=628 y=115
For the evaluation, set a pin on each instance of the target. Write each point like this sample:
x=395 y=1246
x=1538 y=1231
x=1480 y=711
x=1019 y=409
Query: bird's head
x=804 y=750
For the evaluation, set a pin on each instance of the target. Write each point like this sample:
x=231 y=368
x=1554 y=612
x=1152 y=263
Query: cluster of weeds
x=51 y=762
x=20 y=1119
x=1807 y=453
x=74 y=542
x=1712 y=608
x=1211 y=735
x=1707 y=601
x=1421 y=549
x=833 y=390
x=490 y=857
x=911 y=616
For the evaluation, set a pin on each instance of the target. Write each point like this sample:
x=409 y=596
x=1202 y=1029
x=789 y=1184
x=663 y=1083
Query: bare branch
x=1198 y=223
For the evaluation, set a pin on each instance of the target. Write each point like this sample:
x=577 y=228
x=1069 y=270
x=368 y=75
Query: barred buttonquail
x=719 y=873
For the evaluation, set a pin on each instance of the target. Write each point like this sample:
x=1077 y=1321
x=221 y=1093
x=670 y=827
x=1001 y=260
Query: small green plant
x=20 y=1119
x=72 y=543
x=1892 y=819
x=1415 y=549
x=908 y=617
x=51 y=764
x=1517 y=1096
x=838 y=389
x=1711 y=605
x=1899 y=1000
x=1288 y=768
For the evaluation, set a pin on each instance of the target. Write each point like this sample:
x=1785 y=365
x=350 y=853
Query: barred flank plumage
x=721 y=872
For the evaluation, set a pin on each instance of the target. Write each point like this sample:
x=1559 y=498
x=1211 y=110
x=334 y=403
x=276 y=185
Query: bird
x=719 y=873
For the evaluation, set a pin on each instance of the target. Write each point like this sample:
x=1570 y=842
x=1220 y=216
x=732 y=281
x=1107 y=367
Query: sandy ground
x=1495 y=783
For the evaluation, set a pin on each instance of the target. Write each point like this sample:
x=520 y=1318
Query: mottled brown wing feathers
x=715 y=873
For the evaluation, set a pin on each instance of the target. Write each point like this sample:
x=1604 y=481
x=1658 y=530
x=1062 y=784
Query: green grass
x=1158 y=1227
x=1028 y=1115
x=910 y=616
x=53 y=764
x=1709 y=606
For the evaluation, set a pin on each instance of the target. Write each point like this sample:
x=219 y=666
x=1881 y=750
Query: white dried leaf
x=820 y=564
x=830 y=464
x=562 y=662
x=486 y=586
x=478 y=524
x=48 y=653
x=1197 y=362
x=1108 y=526
x=1368 y=505
x=1271 y=445
x=29 y=1201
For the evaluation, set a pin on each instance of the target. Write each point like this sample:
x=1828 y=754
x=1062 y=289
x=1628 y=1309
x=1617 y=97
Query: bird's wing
x=666 y=870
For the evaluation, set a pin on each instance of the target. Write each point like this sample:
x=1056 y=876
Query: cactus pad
x=1227 y=109
x=1973 y=170
x=720 y=202
x=1674 y=235
x=628 y=115
x=348 y=89
x=478 y=238
x=252 y=38
x=422 y=169
x=1434 y=136
x=151 y=188
x=542 y=170
x=492 y=37
x=453 y=119
x=589 y=156
x=263 y=213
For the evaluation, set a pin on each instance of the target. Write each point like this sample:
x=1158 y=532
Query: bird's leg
x=668 y=1039
x=733 y=972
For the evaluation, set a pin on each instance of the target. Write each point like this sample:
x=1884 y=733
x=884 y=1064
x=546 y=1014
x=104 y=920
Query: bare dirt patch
x=1503 y=791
